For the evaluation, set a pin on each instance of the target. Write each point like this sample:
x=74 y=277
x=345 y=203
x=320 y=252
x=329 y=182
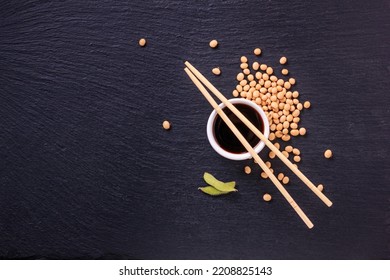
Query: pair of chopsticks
x=197 y=78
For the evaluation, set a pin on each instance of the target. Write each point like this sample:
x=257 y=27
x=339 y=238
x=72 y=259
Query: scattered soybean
x=267 y=197
x=142 y=42
x=213 y=44
x=257 y=51
x=216 y=71
x=166 y=125
x=328 y=154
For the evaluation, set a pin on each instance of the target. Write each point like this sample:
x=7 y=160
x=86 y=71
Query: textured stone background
x=86 y=171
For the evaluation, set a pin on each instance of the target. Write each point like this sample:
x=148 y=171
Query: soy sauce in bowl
x=225 y=137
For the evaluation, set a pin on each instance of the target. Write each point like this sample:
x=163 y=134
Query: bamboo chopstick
x=249 y=148
x=259 y=134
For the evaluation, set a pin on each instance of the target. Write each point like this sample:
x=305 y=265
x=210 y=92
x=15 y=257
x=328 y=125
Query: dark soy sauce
x=225 y=137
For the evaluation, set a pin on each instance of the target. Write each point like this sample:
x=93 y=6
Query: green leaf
x=221 y=186
x=212 y=191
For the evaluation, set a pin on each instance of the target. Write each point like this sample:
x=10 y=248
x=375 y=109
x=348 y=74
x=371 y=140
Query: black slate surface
x=86 y=171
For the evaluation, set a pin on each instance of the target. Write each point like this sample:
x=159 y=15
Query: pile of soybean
x=275 y=94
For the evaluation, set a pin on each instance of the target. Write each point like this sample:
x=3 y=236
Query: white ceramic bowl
x=217 y=147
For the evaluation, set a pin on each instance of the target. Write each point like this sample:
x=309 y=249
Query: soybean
x=244 y=65
x=166 y=125
x=244 y=59
x=267 y=197
x=213 y=44
x=257 y=51
x=296 y=151
x=247 y=170
x=142 y=42
x=286 y=137
x=294 y=132
x=328 y=154
x=297 y=158
x=294 y=126
x=216 y=71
